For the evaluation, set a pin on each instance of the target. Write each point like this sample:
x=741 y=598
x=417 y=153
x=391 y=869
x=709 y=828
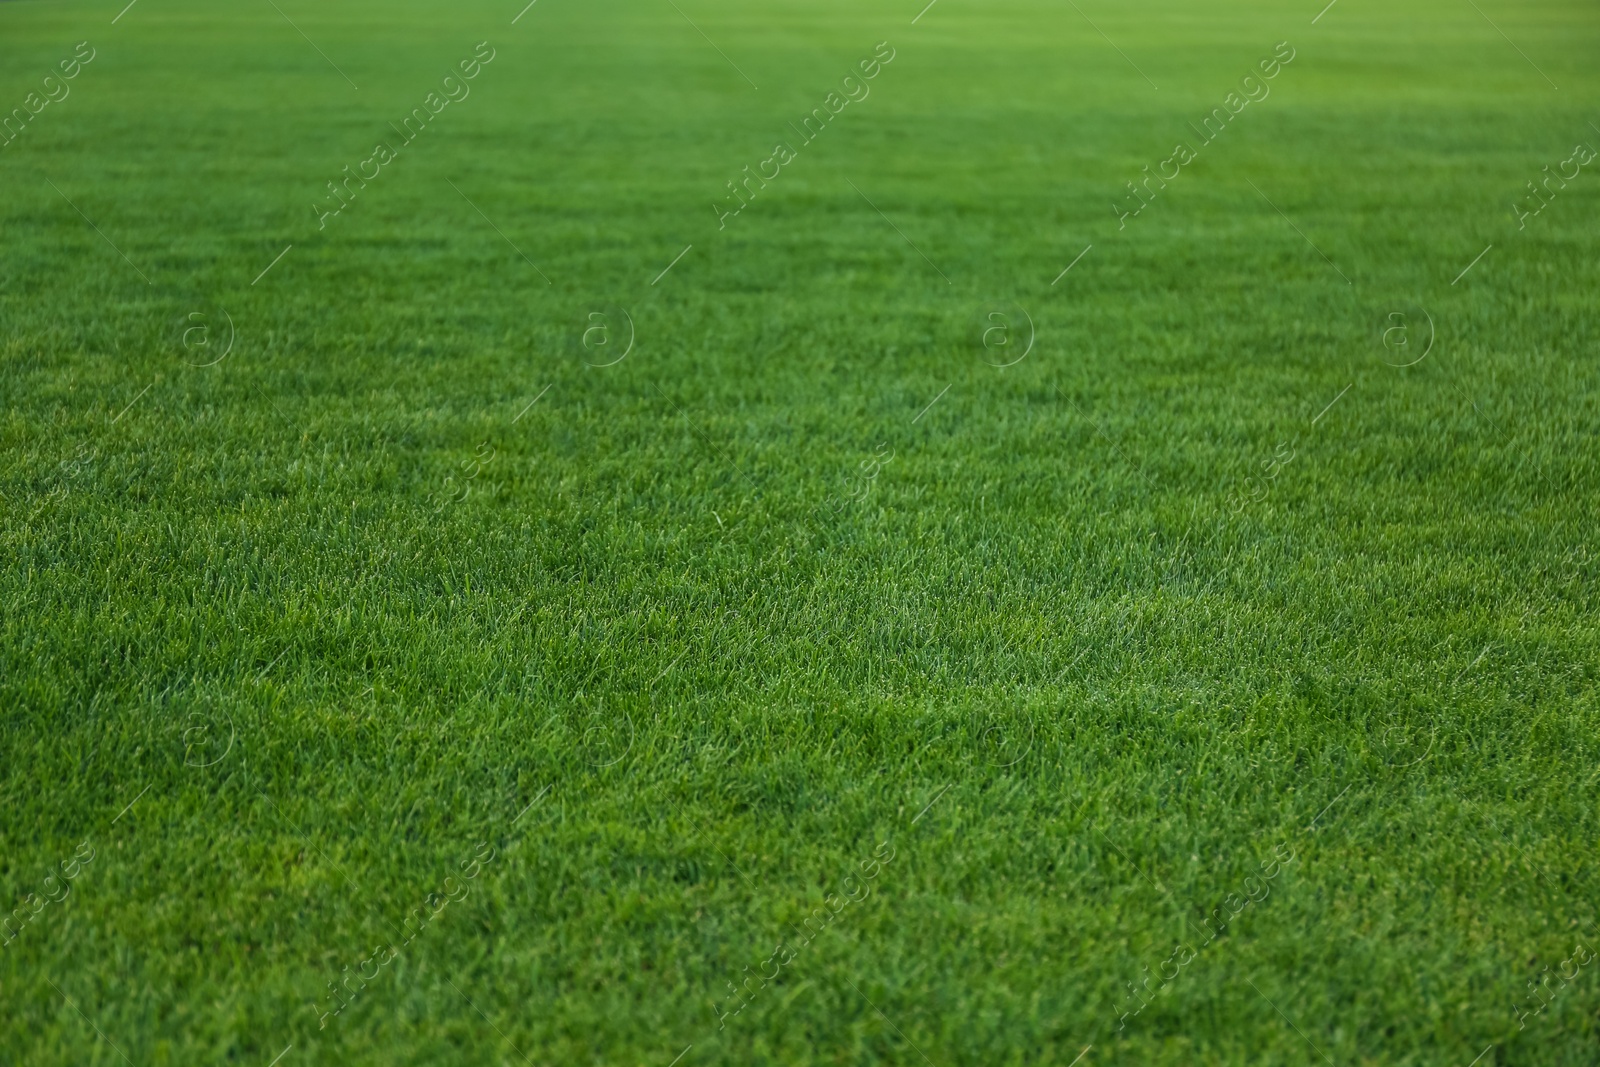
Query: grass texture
x=957 y=609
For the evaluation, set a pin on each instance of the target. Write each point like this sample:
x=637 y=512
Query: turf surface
x=481 y=601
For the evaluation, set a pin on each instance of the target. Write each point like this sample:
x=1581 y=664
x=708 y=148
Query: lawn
x=677 y=532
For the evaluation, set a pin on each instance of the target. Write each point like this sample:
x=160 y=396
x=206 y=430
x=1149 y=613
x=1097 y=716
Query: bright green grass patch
x=620 y=672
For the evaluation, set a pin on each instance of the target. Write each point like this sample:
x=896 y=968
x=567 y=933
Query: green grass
x=1129 y=614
